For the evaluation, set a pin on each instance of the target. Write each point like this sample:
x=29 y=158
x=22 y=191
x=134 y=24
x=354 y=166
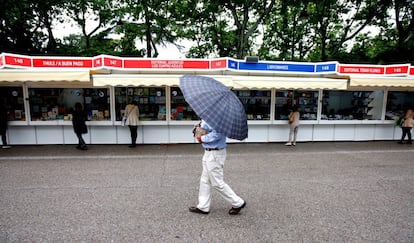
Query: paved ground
x=314 y=192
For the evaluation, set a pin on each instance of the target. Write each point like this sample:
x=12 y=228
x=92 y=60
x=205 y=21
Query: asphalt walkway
x=314 y=192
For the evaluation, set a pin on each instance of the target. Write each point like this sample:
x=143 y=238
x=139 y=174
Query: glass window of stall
x=180 y=109
x=12 y=99
x=256 y=103
x=352 y=105
x=58 y=103
x=398 y=102
x=305 y=101
x=151 y=102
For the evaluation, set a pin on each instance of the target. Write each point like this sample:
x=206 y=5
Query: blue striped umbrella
x=216 y=104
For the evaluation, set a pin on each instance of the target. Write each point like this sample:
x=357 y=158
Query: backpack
x=400 y=121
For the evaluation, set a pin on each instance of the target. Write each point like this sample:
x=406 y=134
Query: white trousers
x=212 y=177
x=293 y=132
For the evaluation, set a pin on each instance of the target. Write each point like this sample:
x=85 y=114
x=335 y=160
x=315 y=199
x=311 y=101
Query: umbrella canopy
x=216 y=104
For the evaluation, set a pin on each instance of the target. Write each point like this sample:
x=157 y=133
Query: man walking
x=214 y=144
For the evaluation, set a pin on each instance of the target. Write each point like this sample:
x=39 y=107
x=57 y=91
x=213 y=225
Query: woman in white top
x=407 y=126
x=132 y=119
x=294 y=126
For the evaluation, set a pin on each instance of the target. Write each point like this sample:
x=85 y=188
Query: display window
x=58 y=103
x=256 y=103
x=306 y=103
x=12 y=99
x=151 y=102
x=180 y=109
x=398 y=103
x=352 y=105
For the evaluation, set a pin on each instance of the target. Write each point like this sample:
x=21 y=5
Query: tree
x=241 y=12
x=99 y=13
x=287 y=35
x=19 y=30
x=47 y=12
x=151 y=22
x=227 y=27
x=210 y=32
x=337 y=22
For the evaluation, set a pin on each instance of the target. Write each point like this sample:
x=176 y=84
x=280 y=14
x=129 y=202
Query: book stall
x=337 y=102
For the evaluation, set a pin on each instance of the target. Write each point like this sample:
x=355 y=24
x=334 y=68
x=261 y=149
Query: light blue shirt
x=213 y=139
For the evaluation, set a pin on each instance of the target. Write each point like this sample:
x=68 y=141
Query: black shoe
x=132 y=146
x=409 y=142
x=234 y=211
x=196 y=210
x=84 y=148
x=400 y=142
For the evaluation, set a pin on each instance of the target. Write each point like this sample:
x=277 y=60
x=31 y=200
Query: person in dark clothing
x=3 y=126
x=79 y=125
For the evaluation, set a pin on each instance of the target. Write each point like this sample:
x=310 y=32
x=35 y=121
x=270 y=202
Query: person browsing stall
x=406 y=127
x=132 y=120
x=214 y=144
x=294 y=118
x=79 y=125
x=3 y=125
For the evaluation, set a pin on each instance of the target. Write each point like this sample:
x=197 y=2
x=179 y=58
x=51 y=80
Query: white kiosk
x=338 y=102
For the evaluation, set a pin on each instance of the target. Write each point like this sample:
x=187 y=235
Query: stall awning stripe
x=289 y=83
x=382 y=82
x=143 y=80
x=236 y=82
x=44 y=76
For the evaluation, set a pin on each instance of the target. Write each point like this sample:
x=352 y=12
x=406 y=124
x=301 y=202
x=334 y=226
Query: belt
x=211 y=149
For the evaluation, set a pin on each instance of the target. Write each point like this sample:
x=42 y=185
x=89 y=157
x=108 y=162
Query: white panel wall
x=176 y=133
x=260 y=133
x=304 y=133
x=124 y=135
x=277 y=132
x=70 y=136
x=155 y=134
x=344 y=132
x=21 y=135
x=364 y=132
x=102 y=134
x=324 y=132
x=384 y=132
x=398 y=133
x=181 y=134
x=49 y=135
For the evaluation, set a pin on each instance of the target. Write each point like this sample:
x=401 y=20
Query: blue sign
x=277 y=67
x=326 y=67
x=232 y=64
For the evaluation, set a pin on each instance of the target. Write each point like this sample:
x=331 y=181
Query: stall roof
x=106 y=70
x=382 y=81
x=288 y=83
x=43 y=75
x=145 y=80
x=236 y=82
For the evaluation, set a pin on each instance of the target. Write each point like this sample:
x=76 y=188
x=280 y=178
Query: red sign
x=397 y=69
x=166 y=64
x=97 y=62
x=412 y=71
x=1 y=60
x=17 y=61
x=221 y=63
x=352 y=69
x=61 y=63
x=112 y=62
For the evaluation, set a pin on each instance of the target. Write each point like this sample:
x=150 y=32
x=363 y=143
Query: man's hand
x=198 y=137
x=198 y=131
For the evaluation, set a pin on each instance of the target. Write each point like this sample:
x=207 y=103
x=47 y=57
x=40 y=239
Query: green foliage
x=350 y=31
